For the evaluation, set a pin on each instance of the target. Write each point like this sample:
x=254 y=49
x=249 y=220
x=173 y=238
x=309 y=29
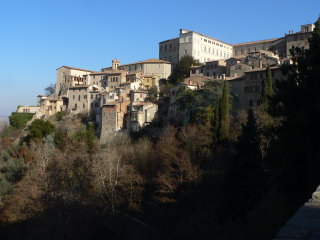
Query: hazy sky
x=37 y=37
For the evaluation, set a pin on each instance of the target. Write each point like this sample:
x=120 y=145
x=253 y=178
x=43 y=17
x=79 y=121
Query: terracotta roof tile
x=80 y=69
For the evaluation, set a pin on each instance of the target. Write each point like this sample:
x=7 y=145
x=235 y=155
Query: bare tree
x=108 y=169
x=50 y=89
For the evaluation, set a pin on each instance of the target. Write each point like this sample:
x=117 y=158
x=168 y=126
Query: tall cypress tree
x=267 y=89
x=222 y=115
x=244 y=175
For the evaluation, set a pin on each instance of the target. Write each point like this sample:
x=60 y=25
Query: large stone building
x=157 y=67
x=69 y=77
x=248 y=88
x=281 y=46
x=199 y=46
x=141 y=114
x=84 y=99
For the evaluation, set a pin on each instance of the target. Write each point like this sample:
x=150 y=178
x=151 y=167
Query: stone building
x=149 y=81
x=50 y=106
x=28 y=109
x=281 y=46
x=244 y=48
x=199 y=46
x=69 y=77
x=141 y=114
x=238 y=65
x=157 y=67
x=84 y=99
x=113 y=118
x=211 y=69
x=40 y=98
x=248 y=88
x=138 y=95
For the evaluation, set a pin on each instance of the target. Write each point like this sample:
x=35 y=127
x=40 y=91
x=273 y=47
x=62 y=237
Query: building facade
x=157 y=67
x=199 y=46
x=69 y=77
x=281 y=46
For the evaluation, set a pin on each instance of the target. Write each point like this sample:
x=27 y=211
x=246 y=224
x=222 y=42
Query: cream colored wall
x=28 y=109
x=60 y=82
x=162 y=70
x=203 y=50
x=56 y=106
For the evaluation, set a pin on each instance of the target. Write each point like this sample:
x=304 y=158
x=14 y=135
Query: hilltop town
x=118 y=97
x=209 y=141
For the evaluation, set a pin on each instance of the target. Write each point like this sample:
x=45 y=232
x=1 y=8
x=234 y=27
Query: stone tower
x=115 y=64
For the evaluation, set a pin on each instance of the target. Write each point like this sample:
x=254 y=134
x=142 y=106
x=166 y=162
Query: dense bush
x=19 y=120
x=39 y=129
x=60 y=115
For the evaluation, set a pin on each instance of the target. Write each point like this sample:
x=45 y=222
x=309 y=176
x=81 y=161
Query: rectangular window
x=73 y=97
x=79 y=97
x=83 y=106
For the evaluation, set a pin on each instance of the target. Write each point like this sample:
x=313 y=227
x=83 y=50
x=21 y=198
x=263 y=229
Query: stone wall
x=305 y=224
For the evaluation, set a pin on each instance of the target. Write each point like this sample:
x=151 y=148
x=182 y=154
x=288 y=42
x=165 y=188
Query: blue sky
x=37 y=37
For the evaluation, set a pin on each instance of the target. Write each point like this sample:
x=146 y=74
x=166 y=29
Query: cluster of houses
x=117 y=97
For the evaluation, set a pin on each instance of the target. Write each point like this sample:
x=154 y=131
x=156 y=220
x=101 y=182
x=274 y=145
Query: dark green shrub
x=5 y=186
x=60 y=115
x=14 y=169
x=19 y=120
x=40 y=128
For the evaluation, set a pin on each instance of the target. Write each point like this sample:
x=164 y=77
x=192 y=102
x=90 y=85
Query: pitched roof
x=197 y=80
x=111 y=103
x=238 y=56
x=261 y=69
x=208 y=37
x=169 y=40
x=80 y=69
x=80 y=86
x=99 y=73
x=261 y=41
x=154 y=60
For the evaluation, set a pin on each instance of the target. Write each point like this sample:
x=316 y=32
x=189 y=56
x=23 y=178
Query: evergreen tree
x=244 y=175
x=182 y=69
x=222 y=115
x=249 y=140
x=297 y=101
x=267 y=89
